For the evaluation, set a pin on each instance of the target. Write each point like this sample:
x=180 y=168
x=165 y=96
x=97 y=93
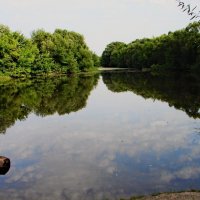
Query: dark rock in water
x=4 y=165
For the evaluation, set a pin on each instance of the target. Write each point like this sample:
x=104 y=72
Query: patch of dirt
x=174 y=196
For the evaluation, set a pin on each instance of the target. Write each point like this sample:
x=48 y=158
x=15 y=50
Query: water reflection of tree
x=180 y=90
x=43 y=97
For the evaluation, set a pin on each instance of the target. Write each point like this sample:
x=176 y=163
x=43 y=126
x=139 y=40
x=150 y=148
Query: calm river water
x=107 y=136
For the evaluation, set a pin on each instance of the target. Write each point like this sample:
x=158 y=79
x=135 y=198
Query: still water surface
x=105 y=136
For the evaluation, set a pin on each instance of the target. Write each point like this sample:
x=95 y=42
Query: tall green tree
x=179 y=50
x=62 y=52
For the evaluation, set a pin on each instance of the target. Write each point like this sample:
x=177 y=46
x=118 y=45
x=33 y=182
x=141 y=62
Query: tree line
x=60 y=52
x=179 y=50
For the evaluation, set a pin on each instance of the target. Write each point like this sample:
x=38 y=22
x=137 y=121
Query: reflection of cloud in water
x=184 y=173
x=79 y=157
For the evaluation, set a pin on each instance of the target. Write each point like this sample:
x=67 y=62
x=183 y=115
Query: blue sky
x=100 y=21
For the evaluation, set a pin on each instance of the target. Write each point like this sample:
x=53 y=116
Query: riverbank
x=170 y=196
x=110 y=68
x=105 y=69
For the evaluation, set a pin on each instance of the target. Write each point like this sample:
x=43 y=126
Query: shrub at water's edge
x=61 y=52
x=179 y=50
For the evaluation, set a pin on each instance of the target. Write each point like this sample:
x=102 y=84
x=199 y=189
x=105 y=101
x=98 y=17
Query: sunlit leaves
x=61 y=52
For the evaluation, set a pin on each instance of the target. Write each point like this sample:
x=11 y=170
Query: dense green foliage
x=60 y=52
x=179 y=50
x=43 y=97
x=181 y=90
